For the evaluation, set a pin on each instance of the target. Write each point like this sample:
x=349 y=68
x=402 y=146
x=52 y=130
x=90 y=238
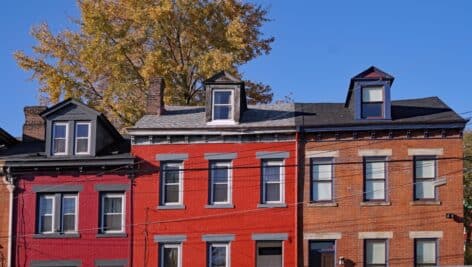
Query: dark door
x=322 y=254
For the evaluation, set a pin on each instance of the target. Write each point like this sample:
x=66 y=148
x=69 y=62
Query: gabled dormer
x=75 y=130
x=225 y=99
x=369 y=95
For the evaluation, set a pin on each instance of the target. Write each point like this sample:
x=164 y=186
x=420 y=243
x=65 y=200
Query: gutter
x=11 y=189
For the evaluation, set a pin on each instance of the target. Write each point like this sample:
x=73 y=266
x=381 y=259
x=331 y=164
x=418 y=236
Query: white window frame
x=219 y=244
x=229 y=184
x=363 y=101
x=436 y=252
x=385 y=241
x=322 y=161
x=375 y=159
x=231 y=104
x=281 y=164
x=76 y=213
x=170 y=245
x=53 y=214
x=418 y=180
x=180 y=165
x=88 y=138
x=66 y=138
x=102 y=210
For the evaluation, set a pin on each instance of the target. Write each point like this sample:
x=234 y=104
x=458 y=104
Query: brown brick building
x=382 y=179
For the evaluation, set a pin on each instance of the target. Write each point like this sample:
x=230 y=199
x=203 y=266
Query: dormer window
x=82 y=138
x=59 y=139
x=373 y=102
x=222 y=105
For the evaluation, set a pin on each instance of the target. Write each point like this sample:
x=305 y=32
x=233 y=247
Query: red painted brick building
x=382 y=179
x=217 y=184
x=72 y=197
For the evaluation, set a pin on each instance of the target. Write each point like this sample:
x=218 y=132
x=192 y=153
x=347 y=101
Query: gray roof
x=193 y=117
x=406 y=112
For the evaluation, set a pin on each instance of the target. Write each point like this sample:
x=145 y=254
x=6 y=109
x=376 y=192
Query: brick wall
x=4 y=213
x=349 y=217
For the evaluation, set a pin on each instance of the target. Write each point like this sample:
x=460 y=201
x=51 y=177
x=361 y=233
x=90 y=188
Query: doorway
x=322 y=253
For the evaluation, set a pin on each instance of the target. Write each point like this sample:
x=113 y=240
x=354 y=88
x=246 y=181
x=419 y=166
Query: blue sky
x=319 y=45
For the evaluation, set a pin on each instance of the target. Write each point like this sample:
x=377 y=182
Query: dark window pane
x=171 y=194
x=45 y=206
x=68 y=223
x=220 y=174
x=270 y=251
x=82 y=130
x=218 y=256
x=222 y=97
x=222 y=112
x=370 y=110
x=171 y=257
x=273 y=192
x=171 y=175
x=59 y=131
x=113 y=222
x=112 y=205
x=220 y=192
x=271 y=173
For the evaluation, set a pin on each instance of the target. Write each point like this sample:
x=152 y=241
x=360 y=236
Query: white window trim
x=376 y=159
x=88 y=138
x=219 y=244
x=66 y=138
x=222 y=121
x=180 y=183
x=322 y=161
x=123 y=205
x=386 y=256
x=171 y=245
x=229 y=184
x=76 y=213
x=53 y=214
x=280 y=163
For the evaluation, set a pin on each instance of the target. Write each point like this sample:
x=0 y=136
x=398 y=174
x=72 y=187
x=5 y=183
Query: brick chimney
x=34 y=128
x=155 y=97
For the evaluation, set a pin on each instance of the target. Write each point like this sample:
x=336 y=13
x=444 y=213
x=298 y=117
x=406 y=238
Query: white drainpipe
x=11 y=189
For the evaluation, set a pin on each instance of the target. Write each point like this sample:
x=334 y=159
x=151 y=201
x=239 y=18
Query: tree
x=468 y=194
x=121 y=44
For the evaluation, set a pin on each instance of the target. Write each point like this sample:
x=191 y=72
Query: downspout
x=11 y=190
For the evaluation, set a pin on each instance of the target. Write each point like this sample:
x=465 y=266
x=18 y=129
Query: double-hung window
x=220 y=179
x=426 y=252
x=425 y=175
x=222 y=105
x=273 y=179
x=218 y=255
x=57 y=213
x=82 y=138
x=322 y=179
x=375 y=252
x=372 y=102
x=112 y=213
x=170 y=255
x=59 y=138
x=375 y=179
x=171 y=183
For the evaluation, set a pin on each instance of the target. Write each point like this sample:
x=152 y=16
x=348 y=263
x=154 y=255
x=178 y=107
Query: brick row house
x=368 y=182
x=72 y=197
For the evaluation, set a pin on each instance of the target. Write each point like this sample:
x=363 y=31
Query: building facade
x=217 y=185
x=382 y=179
x=72 y=197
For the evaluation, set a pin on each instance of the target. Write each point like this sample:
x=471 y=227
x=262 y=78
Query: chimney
x=33 y=129
x=155 y=97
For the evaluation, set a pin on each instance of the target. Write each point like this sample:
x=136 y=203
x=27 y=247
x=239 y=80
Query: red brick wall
x=195 y=220
x=400 y=217
x=4 y=215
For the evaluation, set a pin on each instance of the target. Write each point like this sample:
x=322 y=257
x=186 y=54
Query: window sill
x=272 y=205
x=221 y=122
x=111 y=235
x=375 y=203
x=425 y=203
x=322 y=204
x=57 y=235
x=171 y=207
x=220 y=206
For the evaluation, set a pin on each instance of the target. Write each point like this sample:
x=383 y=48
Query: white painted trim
x=163 y=132
x=374 y=152
x=281 y=182
x=375 y=235
x=425 y=151
x=230 y=120
x=322 y=154
x=66 y=138
x=426 y=234
x=89 y=137
x=322 y=236
x=11 y=190
x=229 y=193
